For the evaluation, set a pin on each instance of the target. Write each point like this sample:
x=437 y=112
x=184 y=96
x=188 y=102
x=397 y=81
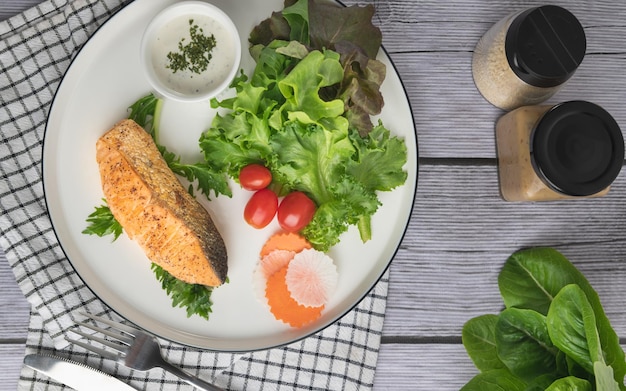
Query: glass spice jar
x=572 y=150
x=526 y=57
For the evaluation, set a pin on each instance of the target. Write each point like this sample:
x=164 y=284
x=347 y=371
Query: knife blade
x=74 y=374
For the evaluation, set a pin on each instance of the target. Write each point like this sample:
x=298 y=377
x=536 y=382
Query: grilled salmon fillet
x=155 y=210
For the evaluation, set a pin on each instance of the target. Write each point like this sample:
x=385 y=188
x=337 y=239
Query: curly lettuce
x=290 y=115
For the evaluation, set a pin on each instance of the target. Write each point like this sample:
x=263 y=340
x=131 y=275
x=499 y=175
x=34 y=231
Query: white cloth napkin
x=36 y=48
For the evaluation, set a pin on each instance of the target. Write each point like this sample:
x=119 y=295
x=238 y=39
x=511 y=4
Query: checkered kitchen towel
x=36 y=48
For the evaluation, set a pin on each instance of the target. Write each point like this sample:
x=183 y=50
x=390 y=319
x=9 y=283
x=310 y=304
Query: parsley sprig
x=195 y=298
x=103 y=223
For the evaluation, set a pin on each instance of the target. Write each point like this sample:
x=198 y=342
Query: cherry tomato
x=261 y=208
x=296 y=210
x=255 y=177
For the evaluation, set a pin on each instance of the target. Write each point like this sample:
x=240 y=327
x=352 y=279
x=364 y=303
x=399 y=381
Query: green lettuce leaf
x=572 y=327
x=531 y=278
x=524 y=345
x=570 y=383
x=297 y=15
x=311 y=158
x=379 y=160
x=479 y=339
x=348 y=31
x=495 y=380
x=290 y=117
x=301 y=89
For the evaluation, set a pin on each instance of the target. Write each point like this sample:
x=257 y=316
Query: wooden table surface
x=461 y=231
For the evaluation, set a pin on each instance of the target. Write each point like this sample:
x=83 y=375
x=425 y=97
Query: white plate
x=102 y=81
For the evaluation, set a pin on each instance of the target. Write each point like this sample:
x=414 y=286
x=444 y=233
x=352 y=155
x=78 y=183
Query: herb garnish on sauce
x=195 y=55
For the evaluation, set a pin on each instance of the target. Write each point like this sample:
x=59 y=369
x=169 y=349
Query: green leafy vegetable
x=479 y=338
x=348 y=31
x=376 y=164
x=208 y=180
x=523 y=343
x=531 y=279
x=195 y=298
x=495 y=380
x=570 y=383
x=146 y=111
x=604 y=377
x=297 y=16
x=301 y=90
x=554 y=334
x=572 y=327
x=295 y=116
x=310 y=158
x=101 y=222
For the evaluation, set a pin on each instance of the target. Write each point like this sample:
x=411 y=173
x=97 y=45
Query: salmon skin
x=155 y=210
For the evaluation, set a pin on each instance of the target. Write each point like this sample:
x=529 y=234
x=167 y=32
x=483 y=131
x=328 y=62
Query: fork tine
x=120 y=326
x=94 y=349
x=122 y=349
x=120 y=337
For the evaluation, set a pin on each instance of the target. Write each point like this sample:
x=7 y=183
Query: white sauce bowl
x=163 y=35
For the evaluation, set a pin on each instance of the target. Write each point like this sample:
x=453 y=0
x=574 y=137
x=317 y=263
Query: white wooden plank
x=14 y=309
x=423 y=367
x=9 y=8
x=10 y=365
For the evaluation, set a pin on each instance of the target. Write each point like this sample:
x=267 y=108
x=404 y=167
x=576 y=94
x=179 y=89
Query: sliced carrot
x=289 y=241
x=283 y=306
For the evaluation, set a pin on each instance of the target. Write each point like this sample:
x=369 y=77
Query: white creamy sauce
x=184 y=81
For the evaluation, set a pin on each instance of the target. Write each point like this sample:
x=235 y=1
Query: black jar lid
x=577 y=148
x=545 y=45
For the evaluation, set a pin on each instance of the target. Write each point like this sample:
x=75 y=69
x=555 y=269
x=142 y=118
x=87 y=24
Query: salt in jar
x=526 y=57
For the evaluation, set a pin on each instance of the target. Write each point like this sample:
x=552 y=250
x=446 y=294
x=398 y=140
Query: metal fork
x=133 y=348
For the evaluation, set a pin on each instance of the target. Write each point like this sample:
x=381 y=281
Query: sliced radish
x=311 y=278
x=267 y=266
x=275 y=260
